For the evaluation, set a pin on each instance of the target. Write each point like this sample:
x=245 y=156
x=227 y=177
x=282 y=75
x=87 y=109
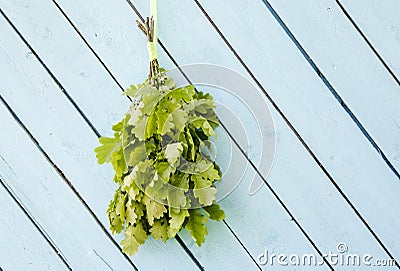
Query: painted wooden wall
x=327 y=70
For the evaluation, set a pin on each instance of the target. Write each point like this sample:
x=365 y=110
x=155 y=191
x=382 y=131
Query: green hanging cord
x=149 y=28
x=152 y=45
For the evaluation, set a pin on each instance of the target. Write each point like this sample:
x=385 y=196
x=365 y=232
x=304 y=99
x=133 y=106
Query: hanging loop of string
x=152 y=46
x=149 y=28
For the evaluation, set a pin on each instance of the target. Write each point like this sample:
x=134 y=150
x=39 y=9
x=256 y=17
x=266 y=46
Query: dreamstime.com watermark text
x=339 y=258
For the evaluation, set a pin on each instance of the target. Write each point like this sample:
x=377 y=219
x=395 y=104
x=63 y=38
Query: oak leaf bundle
x=162 y=158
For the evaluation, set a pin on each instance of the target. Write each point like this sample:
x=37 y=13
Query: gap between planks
x=58 y=170
x=31 y=219
x=293 y=129
x=100 y=59
x=367 y=41
x=60 y=86
x=65 y=179
x=245 y=155
x=331 y=88
x=97 y=55
x=180 y=241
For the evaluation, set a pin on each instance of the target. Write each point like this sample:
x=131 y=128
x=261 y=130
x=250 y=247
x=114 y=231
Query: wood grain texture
x=22 y=245
x=237 y=258
x=233 y=257
x=34 y=181
x=313 y=111
x=351 y=67
x=320 y=120
x=297 y=242
x=213 y=52
x=63 y=219
x=379 y=22
x=69 y=142
x=260 y=221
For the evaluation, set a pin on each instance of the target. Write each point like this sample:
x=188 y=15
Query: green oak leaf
x=142 y=173
x=135 y=235
x=214 y=212
x=191 y=145
x=120 y=207
x=164 y=171
x=138 y=154
x=211 y=173
x=109 y=145
x=139 y=130
x=134 y=211
x=180 y=119
x=118 y=162
x=196 y=226
x=176 y=219
x=131 y=91
x=157 y=189
x=131 y=216
x=204 y=124
x=203 y=190
x=159 y=230
x=154 y=210
x=116 y=224
x=162 y=137
x=173 y=152
x=176 y=193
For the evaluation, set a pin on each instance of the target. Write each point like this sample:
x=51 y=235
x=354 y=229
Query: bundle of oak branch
x=161 y=156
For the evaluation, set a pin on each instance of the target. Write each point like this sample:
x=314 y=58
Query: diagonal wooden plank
x=72 y=147
x=378 y=23
x=230 y=262
x=64 y=220
x=23 y=247
x=222 y=236
x=298 y=241
x=351 y=72
x=315 y=114
x=116 y=60
x=239 y=30
x=240 y=259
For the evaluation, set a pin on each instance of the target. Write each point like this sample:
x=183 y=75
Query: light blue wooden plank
x=230 y=246
x=50 y=201
x=297 y=241
x=351 y=67
x=379 y=22
x=69 y=142
x=22 y=246
x=307 y=210
x=259 y=224
x=314 y=112
x=84 y=167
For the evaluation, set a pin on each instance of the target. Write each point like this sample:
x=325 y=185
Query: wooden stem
x=148 y=29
